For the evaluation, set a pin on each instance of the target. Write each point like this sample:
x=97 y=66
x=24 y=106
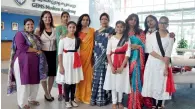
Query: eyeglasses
x=165 y=23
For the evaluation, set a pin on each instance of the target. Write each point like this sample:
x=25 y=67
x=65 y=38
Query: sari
x=31 y=41
x=83 y=89
x=135 y=100
x=100 y=97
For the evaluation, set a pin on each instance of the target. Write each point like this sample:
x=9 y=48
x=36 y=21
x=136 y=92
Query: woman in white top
x=69 y=70
x=47 y=34
x=155 y=74
x=117 y=74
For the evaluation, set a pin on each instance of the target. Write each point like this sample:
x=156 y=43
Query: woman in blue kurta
x=28 y=66
x=99 y=96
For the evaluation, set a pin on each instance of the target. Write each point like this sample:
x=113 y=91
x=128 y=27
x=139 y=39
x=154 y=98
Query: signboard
x=74 y=7
x=55 y=5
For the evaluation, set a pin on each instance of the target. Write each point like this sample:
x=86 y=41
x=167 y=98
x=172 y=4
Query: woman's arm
x=37 y=32
x=108 y=52
x=60 y=57
x=156 y=55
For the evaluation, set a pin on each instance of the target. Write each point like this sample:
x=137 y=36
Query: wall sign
x=54 y=5
x=74 y=7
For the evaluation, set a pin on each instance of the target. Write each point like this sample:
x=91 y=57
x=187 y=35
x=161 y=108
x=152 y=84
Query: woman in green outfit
x=61 y=30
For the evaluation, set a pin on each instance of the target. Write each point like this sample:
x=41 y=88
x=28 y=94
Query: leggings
x=69 y=89
x=159 y=102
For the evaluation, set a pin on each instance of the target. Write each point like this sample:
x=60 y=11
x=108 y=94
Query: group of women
x=92 y=66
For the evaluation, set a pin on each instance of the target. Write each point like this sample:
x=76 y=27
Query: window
x=172 y=6
x=187 y=5
x=136 y=3
x=148 y=2
x=172 y=1
x=158 y=7
x=159 y=2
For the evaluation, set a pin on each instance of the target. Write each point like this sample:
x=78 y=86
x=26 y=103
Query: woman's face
x=119 y=28
x=151 y=22
x=65 y=18
x=163 y=24
x=104 y=21
x=132 y=22
x=71 y=28
x=46 y=18
x=85 y=21
x=29 y=26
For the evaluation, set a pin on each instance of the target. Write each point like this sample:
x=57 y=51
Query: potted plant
x=182 y=44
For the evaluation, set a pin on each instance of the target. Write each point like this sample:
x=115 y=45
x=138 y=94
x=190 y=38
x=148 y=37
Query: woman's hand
x=172 y=35
x=113 y=70
x=62 y=70
x=166 y=71
x=135 y=46
x=39 y=52
x=119 y=70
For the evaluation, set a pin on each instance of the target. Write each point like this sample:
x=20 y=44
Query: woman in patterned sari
x=27 y=67
x=101 y=97
x=137 y=37
x=86 y=34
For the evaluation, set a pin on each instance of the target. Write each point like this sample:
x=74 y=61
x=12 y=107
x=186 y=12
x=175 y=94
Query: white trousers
x=25 y=93
x=116 y=97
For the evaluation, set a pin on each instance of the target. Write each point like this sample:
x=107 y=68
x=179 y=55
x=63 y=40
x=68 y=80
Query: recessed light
x=5 y=10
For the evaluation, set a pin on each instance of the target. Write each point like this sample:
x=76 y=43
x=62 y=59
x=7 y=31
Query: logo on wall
x=20 y=2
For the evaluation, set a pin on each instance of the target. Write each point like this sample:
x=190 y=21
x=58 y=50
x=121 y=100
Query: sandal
x=25 y=107
x=35 y=103
x=153 y=107
x=120 y=106
x=162 y=107
x=60 y=97
x=48 y=99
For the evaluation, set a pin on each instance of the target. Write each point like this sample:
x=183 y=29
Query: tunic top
x=28 y=61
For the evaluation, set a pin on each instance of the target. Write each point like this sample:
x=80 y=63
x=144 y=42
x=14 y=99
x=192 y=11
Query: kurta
x=31 y=67
x=154 y=80
x=71 y=75
x=83 y=89
x=28 y=62
x=61 y=30
x=117 y=82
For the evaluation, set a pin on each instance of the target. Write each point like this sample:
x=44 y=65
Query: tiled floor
x=185 y=97
x=9 y=102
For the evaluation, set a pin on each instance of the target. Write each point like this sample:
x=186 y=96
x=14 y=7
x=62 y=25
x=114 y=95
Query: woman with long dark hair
x=27 y=67
x=156 y=74
x=151 y=27
x=101 y=97
x=86 y=34
x=47 y=34
x=137 y=37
